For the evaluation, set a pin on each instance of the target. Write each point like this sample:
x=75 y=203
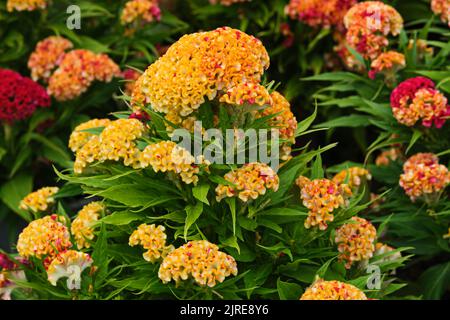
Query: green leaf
x=200 y=192
x=352 y=121
x=305 y=124
x=288 y=290
x=415 y=136
x=232 y=205
x=317 y=169
x=435 y=281
x=193 y=212
x=121 y=218
x=13 y=191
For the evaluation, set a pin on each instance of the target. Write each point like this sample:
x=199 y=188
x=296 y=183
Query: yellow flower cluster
x=68 y=264
x=321 y=197
x=387 y=63
x=324 y=13
x=200 y=260
x=441 y=8
x=248 y=182
x=140 y=10
x=40 y=200
x=25 y=5
x=79 y=138
x=76 y=72
x=47 y=56
x=82 y=226
x=353 y=176
x=153 y=239
x=117 y=142
x=200 y=65
x=385 y=157
x=355 y=241
x=227 y=2
x=424 y=176
x=167 y=156
x=332 y=290
x=247 y=93
x=44 y=237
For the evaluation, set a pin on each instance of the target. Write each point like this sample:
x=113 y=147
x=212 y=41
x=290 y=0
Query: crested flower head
x=47 y=56
x=332 y=290
x=382 y=248
x=387 y=63
x=417 y=98
x=40 y=200
x=227 y=2
x=442 y=9
x=76 y=72
x=167 y=156
x=44 y=237
x=136 y=11
x=355 y=241
x=353 y=176
x=387 y=156
x=200 y=65
x=153 y=239
x=424 y=176
x=200 y=260
x=248 y=182
x=79 y=137
x=82 y=227
x=247 y=93
x=20 y=96
x=323 y=13
x=321 y=197
x=25 y=5
x=68 y=264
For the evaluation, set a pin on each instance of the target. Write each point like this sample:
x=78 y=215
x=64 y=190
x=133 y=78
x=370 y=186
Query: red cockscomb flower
x=20 y=96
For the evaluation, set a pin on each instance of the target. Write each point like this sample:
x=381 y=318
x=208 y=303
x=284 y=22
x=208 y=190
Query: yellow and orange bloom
x=79 y=137
x=248 y=182
x=76 y=72
x=227 y=2
x=47 y=56
x=322 y=197
x=381 y=248
x=332 y=290
x=442 y=9
x=323 y=13
x=199 y=66
x=353 y=177
x=136 y=11
x=388 y=63
x=153 y=239
x=199 y=260
x=355 y=241
x=387 y=156
x=423 y=176
x=82 y=227
x=167 y=156
x=44 y=237
x=25 y=5
x=247 y=93
x=40 y=200
x=68 y=264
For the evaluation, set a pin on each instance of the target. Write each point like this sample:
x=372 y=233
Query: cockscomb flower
x=322 y=197
x=79 y=137
x=387 y=156
x=355 y=241
x=130 y=77
x=248 y=182
x=40 y=200
x=20 y=96
x=167 y=156
x=153 y=239
x=442 y=9
x=416 y=98
x=47 y=55
x=227 y=2
x=140 y=11
x=76 y=72
x=82 y=227
x=200 y=260
x=332 y=290
x=69 y=264
x=44 y=237
x=424 y=176
x=324 y=13
x=200 y=65
x=247 y=93
x=387 y=63
x=25 y=5
x=382 y=248
x=353 y=177
x=87 y=154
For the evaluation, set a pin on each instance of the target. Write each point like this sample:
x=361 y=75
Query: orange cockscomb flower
x=332 y=290
x=153 y=239
x=322 y=197
x=25 y=5
x=442 y=9
x=140 y=11
x=79 y=137
x=40 y=200
x=227 y=2
x=387 y=63
x=82 y=227
x=353 y=176
x=247 y=93
x=355 y=241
